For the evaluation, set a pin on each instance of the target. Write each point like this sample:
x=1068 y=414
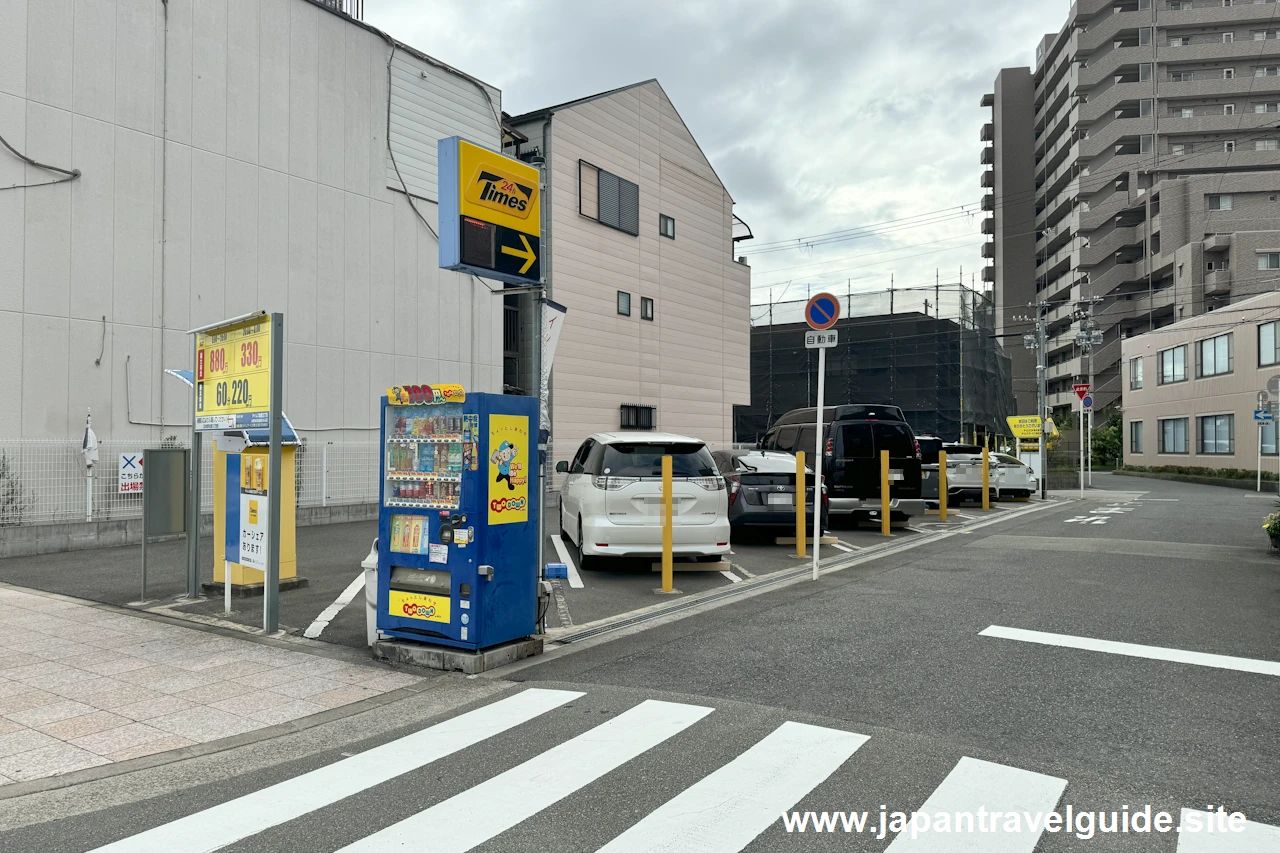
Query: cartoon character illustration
x=503 y=457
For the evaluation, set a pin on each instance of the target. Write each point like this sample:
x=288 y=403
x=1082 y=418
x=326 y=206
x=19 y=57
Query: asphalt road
x=902 y=701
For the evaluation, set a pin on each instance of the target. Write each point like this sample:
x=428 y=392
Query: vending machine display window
x=427 y=449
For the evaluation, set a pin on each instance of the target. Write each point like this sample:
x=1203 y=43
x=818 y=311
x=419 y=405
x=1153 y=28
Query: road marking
x=1163 y=500
x=974 y=784
x=221 y=825
x=326 y=616
x=1262 y=667
x=725 y=810
x=745 y=573
x=575 y=579
x=731 y=576
x=476 y=815
x=841 y=547
x=1256 y=838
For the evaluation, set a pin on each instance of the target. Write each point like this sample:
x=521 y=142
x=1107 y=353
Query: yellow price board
x=1025 y=426
x=233 y=376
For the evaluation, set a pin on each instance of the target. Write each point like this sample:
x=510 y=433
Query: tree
x=1106 y=441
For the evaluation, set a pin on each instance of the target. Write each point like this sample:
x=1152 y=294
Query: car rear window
x=929 y=448
x=895 y=438
x=856 y=441
x=644 y=459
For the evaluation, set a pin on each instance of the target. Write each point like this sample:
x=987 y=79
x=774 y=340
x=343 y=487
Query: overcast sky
x=818 y=115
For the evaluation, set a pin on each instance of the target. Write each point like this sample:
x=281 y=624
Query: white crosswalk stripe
x=228 y=823
x=1254 y=837
x=723 y=812
x=727 y=809
x=478 y=814
x=974 y=785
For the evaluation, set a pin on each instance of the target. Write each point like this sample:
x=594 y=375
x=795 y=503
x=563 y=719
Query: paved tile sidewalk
x=81 y=686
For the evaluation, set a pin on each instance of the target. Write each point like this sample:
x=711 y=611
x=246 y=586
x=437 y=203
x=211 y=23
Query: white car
x=611 y=500
x=1014 y=478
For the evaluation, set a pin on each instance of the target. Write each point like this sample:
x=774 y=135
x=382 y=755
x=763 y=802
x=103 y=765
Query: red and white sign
x=129 y=474
x=1081 y=389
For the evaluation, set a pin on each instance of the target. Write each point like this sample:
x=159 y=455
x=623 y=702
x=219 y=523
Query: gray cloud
x=819 y=115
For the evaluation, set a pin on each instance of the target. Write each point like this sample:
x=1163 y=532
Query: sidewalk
x=83 y=686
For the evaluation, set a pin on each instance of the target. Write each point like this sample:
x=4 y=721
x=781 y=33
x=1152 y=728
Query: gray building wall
x=248 y=171
x=1013 y=223
x=1122 y=174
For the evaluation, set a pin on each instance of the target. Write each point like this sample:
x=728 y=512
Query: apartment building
x=226 y=157
x=641 y=234
x=1190 y=389
x=1136 y=168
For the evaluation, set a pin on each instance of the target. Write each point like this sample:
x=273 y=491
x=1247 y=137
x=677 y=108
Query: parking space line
x=575 y=579
x=730 y=575
x=1261 y=667
x=840 y=546
x=745 y=573
x=326 y=616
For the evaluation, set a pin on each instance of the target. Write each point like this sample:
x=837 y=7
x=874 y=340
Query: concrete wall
x=1235 y=393
x=692 y=361
x=271 y=192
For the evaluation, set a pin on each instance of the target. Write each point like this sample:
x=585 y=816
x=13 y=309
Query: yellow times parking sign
x=233 y=376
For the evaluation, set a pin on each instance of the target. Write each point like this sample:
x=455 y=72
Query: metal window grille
x=636 y=417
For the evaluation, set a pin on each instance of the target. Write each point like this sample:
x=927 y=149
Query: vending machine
x=458 y=517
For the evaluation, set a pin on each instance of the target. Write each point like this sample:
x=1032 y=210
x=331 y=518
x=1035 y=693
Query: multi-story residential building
x=1153 y=176
x=641 y=235
x=1191 y=388
x=227 y=157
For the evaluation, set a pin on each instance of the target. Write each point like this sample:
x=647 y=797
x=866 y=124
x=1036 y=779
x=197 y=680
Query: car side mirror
x=562 y=467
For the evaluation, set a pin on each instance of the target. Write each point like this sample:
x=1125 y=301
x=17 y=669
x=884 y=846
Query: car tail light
x=919 y=455
x=830 y=449
x=612 y=484
x=733 y=485
x=711 y=484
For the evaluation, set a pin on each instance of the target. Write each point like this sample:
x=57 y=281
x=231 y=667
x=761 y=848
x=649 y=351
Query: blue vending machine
x=458 y=517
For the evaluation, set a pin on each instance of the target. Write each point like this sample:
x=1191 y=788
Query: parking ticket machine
x=458 y=517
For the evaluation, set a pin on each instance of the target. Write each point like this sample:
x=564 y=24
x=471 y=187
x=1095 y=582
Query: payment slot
x=457 y=546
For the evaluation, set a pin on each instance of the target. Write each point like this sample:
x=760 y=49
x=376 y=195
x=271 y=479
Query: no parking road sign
x=822 y=312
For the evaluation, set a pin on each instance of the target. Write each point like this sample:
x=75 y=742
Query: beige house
x=1190 y=389
x=640 y=239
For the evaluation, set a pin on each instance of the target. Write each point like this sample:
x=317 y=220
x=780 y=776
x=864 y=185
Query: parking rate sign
x=822 y=312
x=233 y=376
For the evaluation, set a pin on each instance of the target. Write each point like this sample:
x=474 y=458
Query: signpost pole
x=1260 y=423
x=271 y=579
x=1082 y=432
x=817 y=460
x=193 y=496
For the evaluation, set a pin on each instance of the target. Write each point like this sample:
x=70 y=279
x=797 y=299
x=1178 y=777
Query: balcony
x=1218 y=282
x=989 y=201
x=988 y=100
x=1104 y=32
x=988 y=156
x=988 y=133
x=1243 y=123
x=1105 y=103
x=1109 y=64
x=1101 y=285
x=1244 y=50
x=988 y=179
x=1070 y=367
x=1104 y=246
x=988 y=225
x=989 y=274
x=989 y=250
x=1213 y=13
x=1122 y=131
x=1099 y=214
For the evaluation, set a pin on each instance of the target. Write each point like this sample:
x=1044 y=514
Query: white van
x=611 y=500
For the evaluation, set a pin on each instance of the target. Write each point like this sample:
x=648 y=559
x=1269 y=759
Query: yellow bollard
x=667 y=521
x=884 y=492
x=986 y=479
x=800 y=503
x=942 y=485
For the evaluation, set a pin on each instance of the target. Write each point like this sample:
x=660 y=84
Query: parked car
x=930 y=445
x=611 y=500
x=762 y=488
x=1016 y=479
x=853 y=437
x=964 y=473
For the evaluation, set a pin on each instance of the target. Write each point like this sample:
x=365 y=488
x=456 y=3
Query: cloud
x=819 y=115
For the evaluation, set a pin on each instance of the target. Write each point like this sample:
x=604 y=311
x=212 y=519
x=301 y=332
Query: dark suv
x=853 y=437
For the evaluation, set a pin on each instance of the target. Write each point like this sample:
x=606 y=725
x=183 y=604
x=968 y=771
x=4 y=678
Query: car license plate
x=780 y=499
x=895 y=473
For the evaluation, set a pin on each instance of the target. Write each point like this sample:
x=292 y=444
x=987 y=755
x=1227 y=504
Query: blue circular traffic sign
x=1087 y=401
x=822 y=311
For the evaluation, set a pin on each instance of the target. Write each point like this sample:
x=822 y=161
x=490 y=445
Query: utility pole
x=1036 y=341
x=1088 y=338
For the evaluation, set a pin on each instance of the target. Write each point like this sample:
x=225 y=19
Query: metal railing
x=43 y=481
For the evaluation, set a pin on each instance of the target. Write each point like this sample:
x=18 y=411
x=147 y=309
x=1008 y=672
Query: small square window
x=666 y=226
x=1178 y=149
x=1228 y=74
x=624 y=303
x=1186 y=112
x=1228 y=109
x=1269 y=261
x=1229 y=146
x=1222 y=201
x=646 y=308
x=1228 y=38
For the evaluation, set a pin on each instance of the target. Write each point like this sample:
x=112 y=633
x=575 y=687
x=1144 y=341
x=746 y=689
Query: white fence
x=43 y=480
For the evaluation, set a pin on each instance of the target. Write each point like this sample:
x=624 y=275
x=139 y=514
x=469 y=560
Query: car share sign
x=508 y=469
x=129 y=474
x=1024 y=426
x=425 y=395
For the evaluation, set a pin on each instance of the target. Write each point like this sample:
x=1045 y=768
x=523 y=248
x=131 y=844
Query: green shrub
x=1200 y=471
